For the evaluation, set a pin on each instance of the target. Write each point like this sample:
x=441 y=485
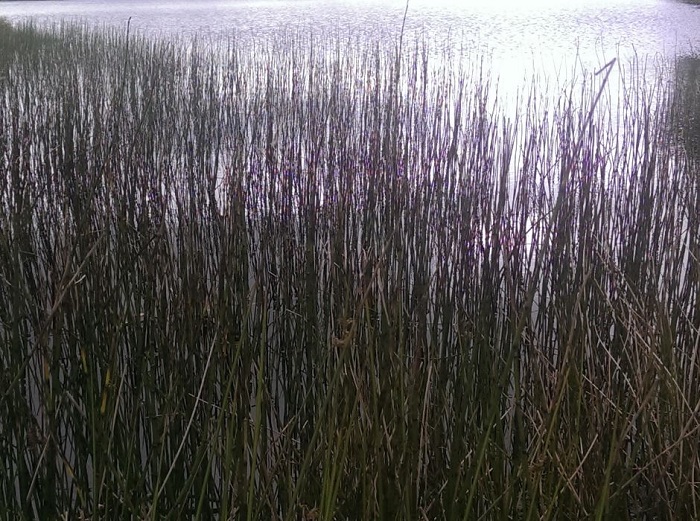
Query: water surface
x=547 y=33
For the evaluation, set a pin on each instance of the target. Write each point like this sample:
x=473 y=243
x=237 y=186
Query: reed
x=292 y=281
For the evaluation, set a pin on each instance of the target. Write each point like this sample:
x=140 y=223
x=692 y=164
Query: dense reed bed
x=307 y=280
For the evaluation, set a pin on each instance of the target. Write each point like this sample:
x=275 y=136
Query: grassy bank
x=300 y=283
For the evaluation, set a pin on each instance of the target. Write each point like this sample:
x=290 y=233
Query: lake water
x=519 y=36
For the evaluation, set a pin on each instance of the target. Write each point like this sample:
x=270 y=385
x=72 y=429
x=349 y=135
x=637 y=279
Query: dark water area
x=688 y=84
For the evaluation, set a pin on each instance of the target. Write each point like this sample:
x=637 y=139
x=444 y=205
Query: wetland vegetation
x=311 y=280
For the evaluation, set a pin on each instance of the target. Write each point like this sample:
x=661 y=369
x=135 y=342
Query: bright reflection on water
x=550 y=42
x=553 y=32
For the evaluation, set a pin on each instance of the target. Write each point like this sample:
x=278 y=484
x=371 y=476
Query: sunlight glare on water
x=518 y=38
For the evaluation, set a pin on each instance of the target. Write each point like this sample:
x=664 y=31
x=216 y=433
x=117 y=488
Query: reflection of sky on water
x=519 y=29
x=549 y=42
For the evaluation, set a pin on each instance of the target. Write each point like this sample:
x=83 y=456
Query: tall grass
x=291 y=282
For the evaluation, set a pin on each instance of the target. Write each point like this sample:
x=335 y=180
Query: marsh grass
x=294 y=282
